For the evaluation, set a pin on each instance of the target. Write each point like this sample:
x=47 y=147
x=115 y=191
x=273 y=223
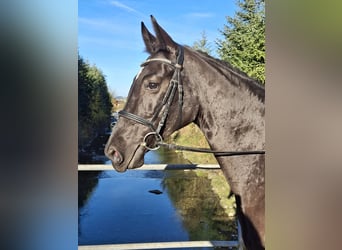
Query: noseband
x=175 y=83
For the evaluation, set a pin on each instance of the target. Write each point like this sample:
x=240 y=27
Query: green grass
x=192 y=136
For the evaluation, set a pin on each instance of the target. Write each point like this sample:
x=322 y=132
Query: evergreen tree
x=94 y=102
x=100 y=105
x=84 y=96
x=244 y=39
x=202 y=44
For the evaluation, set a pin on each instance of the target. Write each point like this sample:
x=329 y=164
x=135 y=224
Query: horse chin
x=120 y=168
x=137 y=164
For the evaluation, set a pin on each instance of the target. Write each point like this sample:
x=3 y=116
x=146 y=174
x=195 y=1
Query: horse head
x=158 y=102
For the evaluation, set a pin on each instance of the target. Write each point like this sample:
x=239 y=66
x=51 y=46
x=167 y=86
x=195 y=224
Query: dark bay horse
x=177 y=85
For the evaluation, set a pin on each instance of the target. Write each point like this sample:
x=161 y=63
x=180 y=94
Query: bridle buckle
x=158 y=138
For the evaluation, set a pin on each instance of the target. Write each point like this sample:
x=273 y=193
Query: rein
x=208 y=150
x=175 y=84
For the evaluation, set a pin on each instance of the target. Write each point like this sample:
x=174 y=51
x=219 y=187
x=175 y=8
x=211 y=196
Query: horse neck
x=231 y=115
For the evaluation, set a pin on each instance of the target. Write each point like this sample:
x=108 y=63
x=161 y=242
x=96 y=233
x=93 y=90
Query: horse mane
x=232 y=74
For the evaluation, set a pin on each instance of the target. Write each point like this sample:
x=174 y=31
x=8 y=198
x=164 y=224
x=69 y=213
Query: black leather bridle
x=174 y=85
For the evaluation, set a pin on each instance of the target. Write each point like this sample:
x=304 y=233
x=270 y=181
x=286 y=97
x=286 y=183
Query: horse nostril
x=117 y=159
x=114 y=155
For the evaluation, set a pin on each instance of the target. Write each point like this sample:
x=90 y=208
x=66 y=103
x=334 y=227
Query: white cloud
x=123 y=6
x=200 y=15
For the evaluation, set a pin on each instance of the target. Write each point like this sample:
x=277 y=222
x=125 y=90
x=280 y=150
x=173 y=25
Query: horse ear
x=165 y=41
x=149 y=39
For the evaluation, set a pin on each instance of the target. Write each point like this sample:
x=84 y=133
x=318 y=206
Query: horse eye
x=152 y=85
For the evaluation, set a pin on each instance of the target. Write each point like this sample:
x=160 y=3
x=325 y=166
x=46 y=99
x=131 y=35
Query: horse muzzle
x=116 y=157
x=123 y=162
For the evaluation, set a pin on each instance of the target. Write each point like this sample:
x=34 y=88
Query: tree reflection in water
x=87 y=181
x=200 y=209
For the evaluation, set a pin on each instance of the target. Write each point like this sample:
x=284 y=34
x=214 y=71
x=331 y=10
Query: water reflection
x=118 y=207
x=121 y=209
x=199 y=207
x=87 y=181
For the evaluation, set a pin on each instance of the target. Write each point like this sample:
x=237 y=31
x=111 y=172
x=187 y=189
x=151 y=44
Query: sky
x=109 y=32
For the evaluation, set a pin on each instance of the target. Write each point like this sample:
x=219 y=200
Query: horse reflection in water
x=177 y=85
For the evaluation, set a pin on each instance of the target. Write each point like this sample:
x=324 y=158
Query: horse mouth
x=120 y=163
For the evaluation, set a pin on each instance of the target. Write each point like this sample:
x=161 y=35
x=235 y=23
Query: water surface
x=119 y=207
